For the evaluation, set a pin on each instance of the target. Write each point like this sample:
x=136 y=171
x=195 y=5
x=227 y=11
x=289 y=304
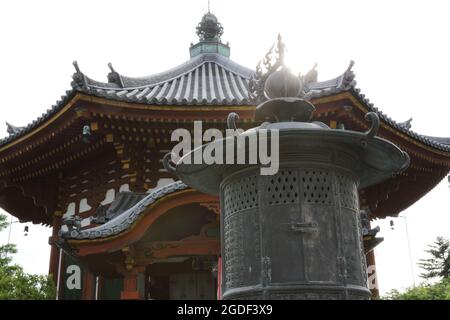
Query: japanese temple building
x=123 y=228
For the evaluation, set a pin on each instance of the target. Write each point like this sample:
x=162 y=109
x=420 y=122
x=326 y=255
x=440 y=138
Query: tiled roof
x=122 y=202
x=123 y=219
x=435 y=142
x=206 y=79
x=20 y=131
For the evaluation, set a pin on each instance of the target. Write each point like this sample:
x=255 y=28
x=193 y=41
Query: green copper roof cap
x=209 y=31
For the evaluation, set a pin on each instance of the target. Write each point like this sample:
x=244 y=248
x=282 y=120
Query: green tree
x=424 y=291
x=15 y=284
x=438 y=266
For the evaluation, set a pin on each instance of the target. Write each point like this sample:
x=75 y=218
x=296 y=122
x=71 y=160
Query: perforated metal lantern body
x=296 y=234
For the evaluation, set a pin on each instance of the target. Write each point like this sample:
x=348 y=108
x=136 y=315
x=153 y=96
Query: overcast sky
x=401 y=50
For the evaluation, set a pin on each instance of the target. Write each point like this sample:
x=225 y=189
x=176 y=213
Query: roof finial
x=12 y=129
x=406 y=124
x=348 y=78
x=311 y=75
x=114 y=76
x=110 y=66
x=77 y=68
x=209 y=29
x=79 y=79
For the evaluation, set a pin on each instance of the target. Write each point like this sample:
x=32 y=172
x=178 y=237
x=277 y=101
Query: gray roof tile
x=124 y=215
x=207 y=79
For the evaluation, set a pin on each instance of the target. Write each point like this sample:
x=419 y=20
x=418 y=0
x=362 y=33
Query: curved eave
x=75 y=96
x=339 y=88
x=395 y=195
x=434 y=142
x=364 y=105
x=226 y=79
x=437 y=145
x=135 y=228
x=128 y=218
x=44 y=120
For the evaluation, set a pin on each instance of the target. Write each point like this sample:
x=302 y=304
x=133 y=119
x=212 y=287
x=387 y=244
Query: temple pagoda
x=123 y=227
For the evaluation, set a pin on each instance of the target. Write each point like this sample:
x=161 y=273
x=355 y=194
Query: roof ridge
x=173 y=73
x=152 y=85
x=234 y=93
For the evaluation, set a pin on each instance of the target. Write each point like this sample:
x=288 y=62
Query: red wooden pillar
x=219 y=279
x=372 y=274
x=88 y=286
x=130 y=284
x=54 y=251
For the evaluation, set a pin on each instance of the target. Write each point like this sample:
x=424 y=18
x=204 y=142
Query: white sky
x=401 y=50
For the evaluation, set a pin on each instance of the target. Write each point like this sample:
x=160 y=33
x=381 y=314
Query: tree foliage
x=15 y=284
x=435 y=267
x=3 y=222
x=438 y=265
x=425 y=291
